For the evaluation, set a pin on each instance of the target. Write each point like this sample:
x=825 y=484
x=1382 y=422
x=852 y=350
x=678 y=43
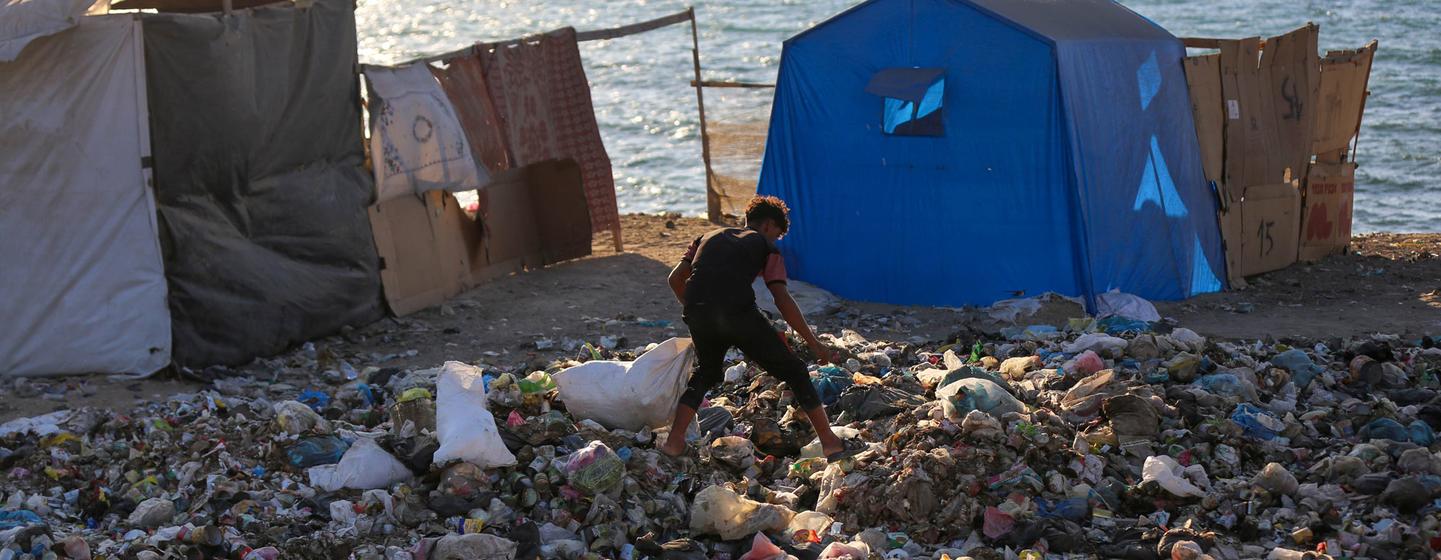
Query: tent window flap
x=913 y=100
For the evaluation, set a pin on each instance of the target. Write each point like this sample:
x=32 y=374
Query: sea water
x=647 y=109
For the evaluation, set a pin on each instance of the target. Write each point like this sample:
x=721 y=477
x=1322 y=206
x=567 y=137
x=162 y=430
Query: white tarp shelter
x=81 y=273
x=22 y=21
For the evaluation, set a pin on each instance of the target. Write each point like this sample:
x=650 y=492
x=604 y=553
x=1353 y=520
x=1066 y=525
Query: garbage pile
x=1114 y=438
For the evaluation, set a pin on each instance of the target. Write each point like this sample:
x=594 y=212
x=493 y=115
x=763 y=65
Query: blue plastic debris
x=1257 y=423
x=1302 y=369
x=830 y=382
x=316 y=400
x=18 y=518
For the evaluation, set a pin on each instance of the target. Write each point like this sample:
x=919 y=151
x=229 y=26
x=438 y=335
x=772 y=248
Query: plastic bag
x=1302 y=369
x=1085 y=363
x=1257 y=423
x=1228 y=384
x=735 y=452
x=1097 y=342
x=364 y=467
x=594 y=469
x=1384 y=428
x=464 y=426
x=814 y=521
x=473 y=546
x=1276 y=480
x=830 y=382
x=315 y=451
x=538 y=382
x=966 y=395
x=1016 y=368
x=629 y=395
x=719 y=511
x=1129 y=306
x=855 y=550
x=763 y=549
x=1167 y=473
x=296 y=418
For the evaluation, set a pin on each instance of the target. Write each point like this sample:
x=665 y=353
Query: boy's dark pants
x=715 y=330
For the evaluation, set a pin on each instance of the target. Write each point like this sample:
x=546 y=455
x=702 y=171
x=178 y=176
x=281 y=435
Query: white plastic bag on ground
x=1189 y=339
x=473 y=546
x=719 y=511
x=812 y=301
x=1167 y=473
x=629 y=395
x=1097 y=342
x=463 y=424
x=1127 y=306
x=365 y=466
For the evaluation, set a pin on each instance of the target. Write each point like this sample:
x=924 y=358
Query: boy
x=713 y=284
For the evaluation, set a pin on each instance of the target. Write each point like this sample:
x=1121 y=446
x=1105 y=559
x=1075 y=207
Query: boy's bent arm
x=792 y=314
x=678 y=277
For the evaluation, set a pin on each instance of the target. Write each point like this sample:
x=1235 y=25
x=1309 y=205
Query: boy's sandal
x=852 y=448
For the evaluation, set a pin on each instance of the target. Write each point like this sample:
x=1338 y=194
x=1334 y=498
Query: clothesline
x=581 y=36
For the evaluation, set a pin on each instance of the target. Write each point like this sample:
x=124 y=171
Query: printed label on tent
x=1233 y=109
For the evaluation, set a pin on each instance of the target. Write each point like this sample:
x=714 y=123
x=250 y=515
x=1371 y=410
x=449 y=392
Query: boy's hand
x=822 y=353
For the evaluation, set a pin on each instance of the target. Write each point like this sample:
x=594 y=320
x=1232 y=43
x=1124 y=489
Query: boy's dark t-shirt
x=725 y=262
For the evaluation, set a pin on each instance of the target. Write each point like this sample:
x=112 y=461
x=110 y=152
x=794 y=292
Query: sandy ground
x=1391 y=283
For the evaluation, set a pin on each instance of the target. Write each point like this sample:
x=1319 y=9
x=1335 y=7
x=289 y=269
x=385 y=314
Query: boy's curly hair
x=768 y=208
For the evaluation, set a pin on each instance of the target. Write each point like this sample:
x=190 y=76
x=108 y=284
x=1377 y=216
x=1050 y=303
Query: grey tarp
x=262 y=195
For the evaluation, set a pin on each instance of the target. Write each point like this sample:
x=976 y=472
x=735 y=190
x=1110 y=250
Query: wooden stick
x=716 y=84
x=713 y=211
x=1210 y=43
x=593 y=35
x=632 y=29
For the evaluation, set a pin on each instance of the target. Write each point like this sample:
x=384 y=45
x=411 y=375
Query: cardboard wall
x=1326 y=212
x=1341 y=100
x=431 y=250
x=1270 y=227
x=1261 y=115
x=1290 y=74
x=1203 y=76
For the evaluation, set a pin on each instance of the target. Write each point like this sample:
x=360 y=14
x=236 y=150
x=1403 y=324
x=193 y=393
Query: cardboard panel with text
x=1326 y=210
x=1290 y=74
x=1270 y=228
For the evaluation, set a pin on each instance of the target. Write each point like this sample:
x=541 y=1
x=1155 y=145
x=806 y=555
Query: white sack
x=365 y=466
x=463 y=423
x=629 y=395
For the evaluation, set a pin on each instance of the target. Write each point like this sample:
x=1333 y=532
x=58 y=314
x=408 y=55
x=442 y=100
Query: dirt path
x=1392 y=285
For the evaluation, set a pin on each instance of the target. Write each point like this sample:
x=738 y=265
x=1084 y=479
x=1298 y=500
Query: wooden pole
x=713 y=210
x=716 y=84
x=580 y=37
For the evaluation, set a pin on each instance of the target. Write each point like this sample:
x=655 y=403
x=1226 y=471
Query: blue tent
x=948 y=152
